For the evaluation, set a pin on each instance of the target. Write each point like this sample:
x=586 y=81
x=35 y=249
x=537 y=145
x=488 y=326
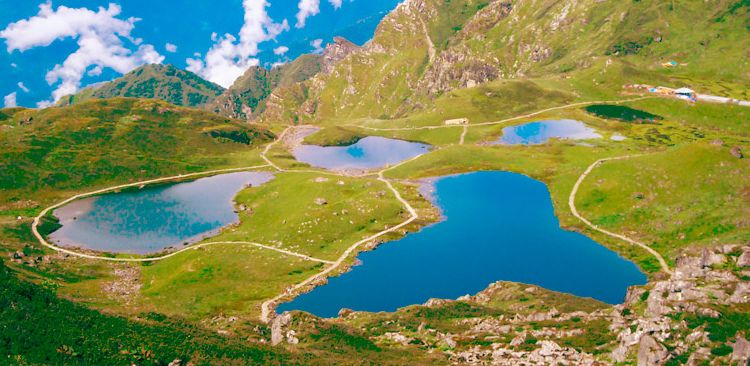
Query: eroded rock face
x=458 y=68
x=336 y=51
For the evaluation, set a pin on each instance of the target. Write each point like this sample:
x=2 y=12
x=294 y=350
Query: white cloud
x=99 y=36
x=231 y=56
x=170 y=47
x=308 y=8
x=10 y=100
x=280 y=51
x=23 y=87
x=13 y=65
x=317 y=45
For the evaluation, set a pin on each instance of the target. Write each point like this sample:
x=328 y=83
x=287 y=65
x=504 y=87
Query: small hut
x=685 y=93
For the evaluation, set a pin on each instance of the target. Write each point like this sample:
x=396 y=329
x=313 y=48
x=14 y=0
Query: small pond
x=368 y=153
x=622 y=113
x=153 y=218
x=540 y=132
x=498 y=226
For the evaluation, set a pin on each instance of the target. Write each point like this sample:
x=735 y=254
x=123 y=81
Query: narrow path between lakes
x=571 y=203
x=268 y=307
x=434 y=127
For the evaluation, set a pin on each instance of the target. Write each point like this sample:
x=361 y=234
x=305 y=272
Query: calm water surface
x=152 y=219
x=498 y=226
x=368 y=153
x=536 y=133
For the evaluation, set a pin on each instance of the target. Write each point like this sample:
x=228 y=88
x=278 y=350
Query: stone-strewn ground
x=699 y=316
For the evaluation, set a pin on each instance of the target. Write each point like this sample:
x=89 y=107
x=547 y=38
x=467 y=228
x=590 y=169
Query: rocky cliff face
x=425 y=48
x=335 y=52
x=249 y=96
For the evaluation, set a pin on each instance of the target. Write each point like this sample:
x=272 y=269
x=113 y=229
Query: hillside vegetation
x=426 y=48
x=164 y=82
x=115 y=140
x=246 y=98
x=39 y=328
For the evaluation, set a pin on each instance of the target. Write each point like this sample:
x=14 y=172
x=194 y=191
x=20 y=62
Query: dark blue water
x=499 y=226
x=536 y=133
x=152 y=219
x=368 y=153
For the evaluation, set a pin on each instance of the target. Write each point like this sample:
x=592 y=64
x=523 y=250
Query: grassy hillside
x=39 y=328
x=164 y=82
x=115 y=140
x=427 y=48
x=246 y=98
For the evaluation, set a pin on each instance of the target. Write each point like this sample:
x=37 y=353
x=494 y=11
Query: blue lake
x=154 y=218
x=536 y=133
x=368 y=153
x=498 y=226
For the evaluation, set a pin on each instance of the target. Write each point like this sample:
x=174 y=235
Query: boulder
x=744 y=258
x=651 y=352
x=741 y=351
x=277 y=327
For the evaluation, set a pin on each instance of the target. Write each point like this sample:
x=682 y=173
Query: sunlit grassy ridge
x=164 y=82
x=116 y=140
x=427 y=48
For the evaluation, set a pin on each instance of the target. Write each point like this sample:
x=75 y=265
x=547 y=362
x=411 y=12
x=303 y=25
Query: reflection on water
x=498 y=226
x=536 y=133
x=368 y=153
x=152 y=219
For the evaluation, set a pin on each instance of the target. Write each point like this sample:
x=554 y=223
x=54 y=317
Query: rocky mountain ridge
x=425 y=48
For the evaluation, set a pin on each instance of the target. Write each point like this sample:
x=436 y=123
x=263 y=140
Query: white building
x=457 y=121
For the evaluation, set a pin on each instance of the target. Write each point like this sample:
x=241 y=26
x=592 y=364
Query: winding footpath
x=268 y=307
x=529 y=115
x=571 y=203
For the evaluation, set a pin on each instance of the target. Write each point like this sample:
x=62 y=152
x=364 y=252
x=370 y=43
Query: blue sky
x=96 y=40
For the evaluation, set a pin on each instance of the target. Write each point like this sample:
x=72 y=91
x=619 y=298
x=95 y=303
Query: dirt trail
x=571 y=203
x=434 y=127
x=268 y=307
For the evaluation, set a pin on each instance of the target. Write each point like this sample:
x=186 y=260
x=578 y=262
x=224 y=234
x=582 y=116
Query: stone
x=291 y=337
x=448 y=341
x=397 y=337
x=744 y=258
x=651 y=352
x=344 y=312
x=321 y=201
x=741 y=351
x=736 y=152
x=277 y=327
x=518 y=340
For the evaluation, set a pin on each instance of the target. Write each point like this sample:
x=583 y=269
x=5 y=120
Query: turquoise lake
x=539 y=132
x=498 y=226
x=153 y=218
x=368 y=153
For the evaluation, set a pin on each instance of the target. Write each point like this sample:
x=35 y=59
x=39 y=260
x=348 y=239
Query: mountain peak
x=154 y=81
